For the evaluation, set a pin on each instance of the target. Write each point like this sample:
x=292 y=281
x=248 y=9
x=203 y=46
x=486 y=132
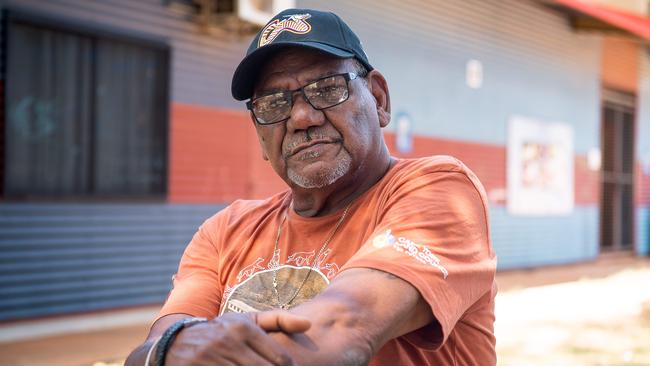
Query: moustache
x=294 y=146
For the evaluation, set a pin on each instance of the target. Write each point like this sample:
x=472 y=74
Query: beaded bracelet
x=170 y=334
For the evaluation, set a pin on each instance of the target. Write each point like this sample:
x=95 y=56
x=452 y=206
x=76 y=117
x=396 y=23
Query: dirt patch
x=586 y=322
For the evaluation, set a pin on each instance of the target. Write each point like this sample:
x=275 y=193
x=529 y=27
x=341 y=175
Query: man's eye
x=276 y=103
x=273 y=103
x=327 y=90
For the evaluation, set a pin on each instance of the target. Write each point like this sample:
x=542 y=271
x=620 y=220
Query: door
x=617 y=175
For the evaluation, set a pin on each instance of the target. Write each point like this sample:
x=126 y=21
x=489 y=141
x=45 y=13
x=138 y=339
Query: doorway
x=617 y=172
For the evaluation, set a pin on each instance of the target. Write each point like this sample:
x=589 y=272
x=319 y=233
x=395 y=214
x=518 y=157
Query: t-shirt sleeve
x=433 y=233
x=196 y=288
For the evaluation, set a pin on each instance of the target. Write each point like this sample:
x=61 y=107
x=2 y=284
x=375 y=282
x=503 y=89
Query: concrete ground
x=586 y=322
x=539 y=311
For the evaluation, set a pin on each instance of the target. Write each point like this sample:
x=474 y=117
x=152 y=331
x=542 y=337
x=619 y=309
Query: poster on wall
x=539 y=167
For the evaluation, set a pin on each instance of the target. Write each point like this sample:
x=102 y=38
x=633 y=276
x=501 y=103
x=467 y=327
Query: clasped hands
x=237 y=339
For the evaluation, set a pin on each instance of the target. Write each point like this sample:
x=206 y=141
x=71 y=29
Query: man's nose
x=303 y=115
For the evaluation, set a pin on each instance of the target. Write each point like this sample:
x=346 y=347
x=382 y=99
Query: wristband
x=170 y=334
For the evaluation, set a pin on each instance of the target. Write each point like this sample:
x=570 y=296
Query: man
x=364 y=259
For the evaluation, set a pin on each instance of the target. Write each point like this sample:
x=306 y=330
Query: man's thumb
x=282 y=321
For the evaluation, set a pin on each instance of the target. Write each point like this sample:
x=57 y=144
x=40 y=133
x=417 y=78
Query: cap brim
x=243 y=80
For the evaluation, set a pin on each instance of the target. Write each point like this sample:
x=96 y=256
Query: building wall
x=620 y=65
x=425 y=65
x=74 y=256
x=534 y=65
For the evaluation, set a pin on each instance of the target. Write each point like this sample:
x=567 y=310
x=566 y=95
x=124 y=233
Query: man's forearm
x=138 y=356
x=357 y=314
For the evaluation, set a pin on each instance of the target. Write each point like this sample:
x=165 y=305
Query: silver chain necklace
x=286 y=304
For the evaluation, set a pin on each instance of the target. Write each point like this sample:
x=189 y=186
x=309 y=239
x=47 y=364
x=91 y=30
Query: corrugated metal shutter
x=59 y=258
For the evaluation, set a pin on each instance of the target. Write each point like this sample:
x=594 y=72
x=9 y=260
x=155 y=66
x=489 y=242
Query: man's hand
x=354 y=317
x=231 y=339
x=238 y=339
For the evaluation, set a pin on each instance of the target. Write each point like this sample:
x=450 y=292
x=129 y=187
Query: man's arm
x=350 y=320
x=354 y=316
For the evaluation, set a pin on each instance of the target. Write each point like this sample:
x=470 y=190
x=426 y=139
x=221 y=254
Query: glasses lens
x=272 y=108
x=327 y=92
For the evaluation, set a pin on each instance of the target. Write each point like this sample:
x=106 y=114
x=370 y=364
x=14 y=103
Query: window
x=85 y=113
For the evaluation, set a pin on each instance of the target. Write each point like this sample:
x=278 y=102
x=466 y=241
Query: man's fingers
x=243 y=342
x=251 y=356
x=282 y=321
x=269 y=350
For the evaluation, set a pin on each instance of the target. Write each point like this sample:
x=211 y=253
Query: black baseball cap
x=306 y=28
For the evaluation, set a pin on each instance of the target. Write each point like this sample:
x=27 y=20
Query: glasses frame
x=347 y=75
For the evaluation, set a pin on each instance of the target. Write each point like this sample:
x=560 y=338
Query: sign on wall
x=404 y=133
x=540 y=167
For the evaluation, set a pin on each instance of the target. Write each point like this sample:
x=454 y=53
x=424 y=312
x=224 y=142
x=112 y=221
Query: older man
x=364 y=259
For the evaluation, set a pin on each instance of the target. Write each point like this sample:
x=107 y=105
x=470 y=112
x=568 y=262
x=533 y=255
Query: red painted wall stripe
x=207 y=161
x=642 y=192
x=488 y=161
x=215 y=157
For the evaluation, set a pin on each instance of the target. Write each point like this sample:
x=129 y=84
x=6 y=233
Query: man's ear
x=379 y=89
x=259 y=137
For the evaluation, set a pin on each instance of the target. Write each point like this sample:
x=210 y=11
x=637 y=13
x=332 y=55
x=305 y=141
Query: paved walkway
x=109 y=337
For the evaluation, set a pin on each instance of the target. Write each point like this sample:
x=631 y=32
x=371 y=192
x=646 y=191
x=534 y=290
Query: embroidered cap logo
x=296 y=23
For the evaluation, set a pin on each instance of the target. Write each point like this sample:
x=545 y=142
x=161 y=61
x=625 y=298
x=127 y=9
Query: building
x=119 y=134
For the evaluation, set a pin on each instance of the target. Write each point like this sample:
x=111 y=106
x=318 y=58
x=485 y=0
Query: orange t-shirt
x=425 y=221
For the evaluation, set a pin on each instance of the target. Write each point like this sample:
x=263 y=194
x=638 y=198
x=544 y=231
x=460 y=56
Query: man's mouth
x=307 y=144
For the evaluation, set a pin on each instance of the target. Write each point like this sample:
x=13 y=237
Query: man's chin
x=312 y=178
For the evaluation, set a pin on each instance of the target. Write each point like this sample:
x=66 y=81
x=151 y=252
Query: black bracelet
x=170 y=334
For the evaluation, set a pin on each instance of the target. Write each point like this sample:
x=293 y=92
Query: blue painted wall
x=534 y=241
x=643 y=230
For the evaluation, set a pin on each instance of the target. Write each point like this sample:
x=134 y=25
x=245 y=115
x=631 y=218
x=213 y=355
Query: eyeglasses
x=323 y=93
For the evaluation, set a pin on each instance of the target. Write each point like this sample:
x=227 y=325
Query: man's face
x=317 y=148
